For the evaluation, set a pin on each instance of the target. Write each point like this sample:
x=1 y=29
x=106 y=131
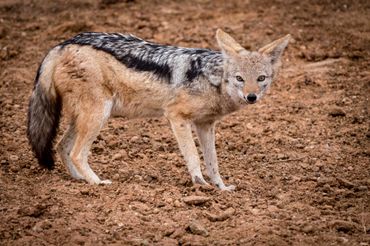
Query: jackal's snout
x=251 y=98
x=250 y=92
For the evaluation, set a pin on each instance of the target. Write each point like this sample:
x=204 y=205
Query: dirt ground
x=299 y=158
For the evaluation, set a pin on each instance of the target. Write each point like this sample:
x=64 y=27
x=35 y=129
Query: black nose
x=251 y=97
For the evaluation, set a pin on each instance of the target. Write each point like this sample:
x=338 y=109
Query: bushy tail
x=43 y=117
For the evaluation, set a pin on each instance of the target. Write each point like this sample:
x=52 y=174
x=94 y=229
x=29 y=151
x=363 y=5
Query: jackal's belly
x=136 y=110
x=138 y=103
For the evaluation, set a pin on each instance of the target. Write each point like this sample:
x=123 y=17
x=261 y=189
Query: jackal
x=94 y=76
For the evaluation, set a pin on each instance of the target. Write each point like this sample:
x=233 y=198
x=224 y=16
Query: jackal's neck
x=228 y=104
x=213 y=70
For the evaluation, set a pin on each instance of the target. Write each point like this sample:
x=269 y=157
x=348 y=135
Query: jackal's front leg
x=182 y=131
x=206 y=135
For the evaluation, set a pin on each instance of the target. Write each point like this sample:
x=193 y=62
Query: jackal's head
x=247 y=74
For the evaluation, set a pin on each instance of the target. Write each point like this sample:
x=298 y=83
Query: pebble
x=222 y=216
x=178 y=233
x=134 y=139
x=13 y=157
x=344 y=226
x=196 y=228
x=177 y=204
x=336 y=112
x=32 y=211
x=42 y=225
x=304 y=165
x=326 y=180
x=116 y=176
x=272 y=208
x=362 y=188
x=117 y=156
x=345 y=183
x=255 y=211
x=342 y=240
x=308 y=229
x=281 y=156
x=195 y=200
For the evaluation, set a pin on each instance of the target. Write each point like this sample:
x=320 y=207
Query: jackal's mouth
x=245 y=101
x=249 y=102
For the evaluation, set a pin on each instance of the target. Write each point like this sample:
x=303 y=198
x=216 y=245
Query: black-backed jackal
x=94 y=76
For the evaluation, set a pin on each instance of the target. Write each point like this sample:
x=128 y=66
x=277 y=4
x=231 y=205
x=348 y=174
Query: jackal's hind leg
x=88 y=126
x=206 y=135
x=64 y=149
x=182 y=131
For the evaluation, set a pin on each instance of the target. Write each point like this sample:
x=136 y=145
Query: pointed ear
x=275 y=49
x=227 y=44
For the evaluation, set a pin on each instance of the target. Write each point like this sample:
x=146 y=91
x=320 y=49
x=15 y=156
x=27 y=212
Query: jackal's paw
x=199 y=180
x=227 y=188
x=105 y=182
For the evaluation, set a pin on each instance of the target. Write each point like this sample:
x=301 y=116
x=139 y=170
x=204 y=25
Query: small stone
x=13 y=158
x=255 y=211
x=326 y=188
x=146 y=139
x=344 y=226
x=362 y=188
x=308 y=229
x=300 y=146
x=345 y=183
x=41 y=225
x=272 y=209
x=169 y=241
x=134 y=139
x=144 y=242
x=326 y=180
x=342 y=240
x=196 y=200
x=140 y=207
x=177 y=204
x=117 y=156
x=14 y=168
x=319 y=164
x=281 y=156
x=116 y=235
x=32 y=211
x=304 y=165
x=37 y=228
x=168 y=232
x=269 y=32
x=336 y=112
x=196 y=228
x=178 y=233
x=222 y=216
x=116 y=176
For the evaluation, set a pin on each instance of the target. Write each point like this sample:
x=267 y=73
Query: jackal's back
x=174 y=65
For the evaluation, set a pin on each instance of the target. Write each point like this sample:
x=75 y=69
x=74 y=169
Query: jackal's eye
x=261 y=78
x=240 y=79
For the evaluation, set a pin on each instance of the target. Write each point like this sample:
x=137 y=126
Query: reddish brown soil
x=299 y=158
